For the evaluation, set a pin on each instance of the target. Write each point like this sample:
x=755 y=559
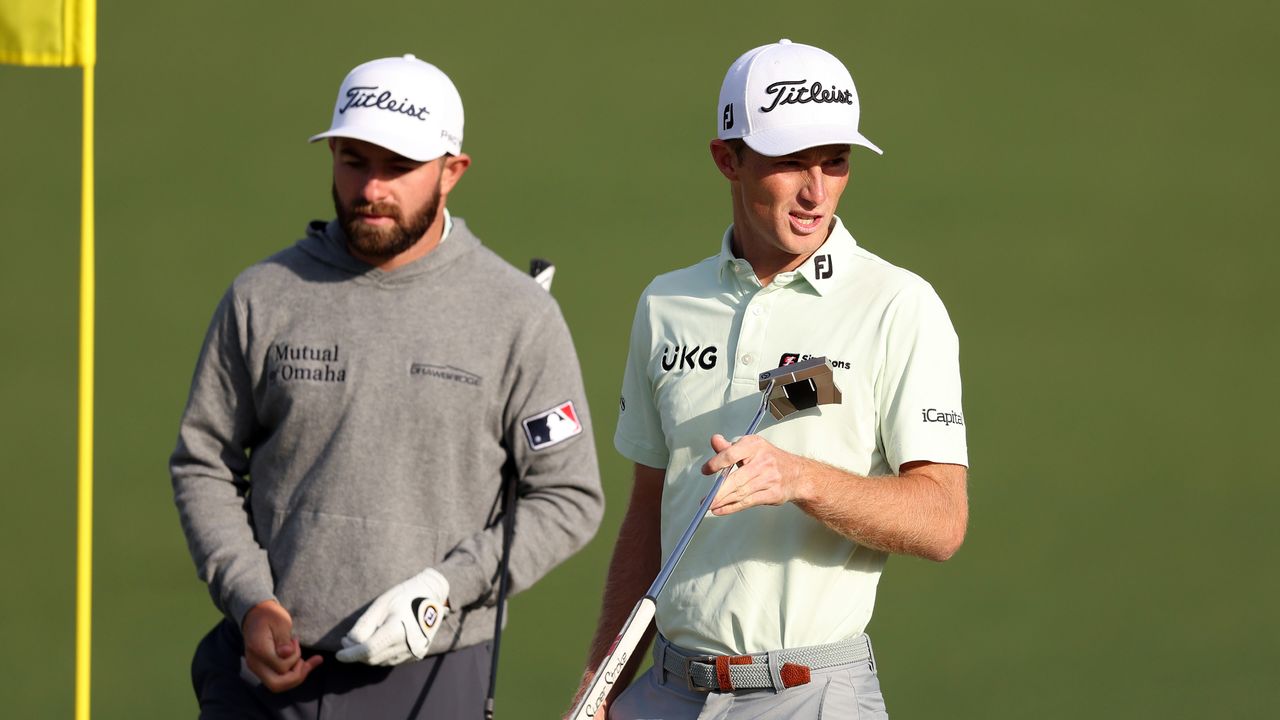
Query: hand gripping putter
x=784 y=390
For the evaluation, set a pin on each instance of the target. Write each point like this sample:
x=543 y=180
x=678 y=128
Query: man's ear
x=454 y=167
x=725 y=158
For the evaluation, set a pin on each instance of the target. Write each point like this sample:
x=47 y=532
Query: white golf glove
x=400 y=624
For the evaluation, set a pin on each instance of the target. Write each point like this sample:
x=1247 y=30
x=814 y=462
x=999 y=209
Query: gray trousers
x=842 y=692
x=449 y=685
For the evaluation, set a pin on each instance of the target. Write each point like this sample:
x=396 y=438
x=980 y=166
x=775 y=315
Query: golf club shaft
x=633 y=630
x=678 y=551
x=536 y=267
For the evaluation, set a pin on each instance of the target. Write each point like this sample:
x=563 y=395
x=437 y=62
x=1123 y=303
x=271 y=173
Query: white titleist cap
x=786 y=97
x=402 y=104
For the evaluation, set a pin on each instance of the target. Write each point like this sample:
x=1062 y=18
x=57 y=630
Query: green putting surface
x=1088 y=186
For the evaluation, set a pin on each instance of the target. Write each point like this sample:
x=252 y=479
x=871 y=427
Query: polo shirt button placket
x=752 y=329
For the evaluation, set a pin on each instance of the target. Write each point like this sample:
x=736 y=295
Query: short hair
x=738 y=146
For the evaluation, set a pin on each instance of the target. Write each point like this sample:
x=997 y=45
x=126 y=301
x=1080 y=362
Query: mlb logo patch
x=552 y=427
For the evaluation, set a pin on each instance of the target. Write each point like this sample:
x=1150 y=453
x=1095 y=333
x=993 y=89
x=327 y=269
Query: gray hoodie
x=348 y=427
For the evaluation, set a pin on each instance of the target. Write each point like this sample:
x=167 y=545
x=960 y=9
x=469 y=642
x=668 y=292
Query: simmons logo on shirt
x=552 y=427
x=793 y=358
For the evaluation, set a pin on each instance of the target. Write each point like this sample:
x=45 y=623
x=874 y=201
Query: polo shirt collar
x=731 y=265
x=825 y=270
x=830 y=266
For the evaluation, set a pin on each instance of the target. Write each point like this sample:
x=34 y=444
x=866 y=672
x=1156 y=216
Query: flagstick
x=84 y=474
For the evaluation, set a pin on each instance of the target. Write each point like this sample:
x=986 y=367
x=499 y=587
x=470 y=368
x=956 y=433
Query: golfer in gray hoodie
x=359 y=402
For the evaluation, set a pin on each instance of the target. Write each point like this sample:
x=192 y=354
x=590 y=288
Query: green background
x=1085 y=183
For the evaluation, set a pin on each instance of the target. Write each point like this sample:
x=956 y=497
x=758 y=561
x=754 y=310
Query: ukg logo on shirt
x=688 y=357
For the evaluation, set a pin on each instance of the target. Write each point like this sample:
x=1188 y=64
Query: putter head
x=800 y=386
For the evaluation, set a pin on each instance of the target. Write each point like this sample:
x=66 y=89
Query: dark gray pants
x=449 y=685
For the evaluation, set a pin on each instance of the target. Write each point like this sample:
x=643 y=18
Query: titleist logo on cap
x=793 y=92
x=369 y=97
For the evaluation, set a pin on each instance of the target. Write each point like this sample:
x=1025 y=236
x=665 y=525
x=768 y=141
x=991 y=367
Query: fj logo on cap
x=552 y=427
x=728 y=116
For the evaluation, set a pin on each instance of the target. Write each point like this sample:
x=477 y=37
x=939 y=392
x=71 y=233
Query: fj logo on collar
x=552 y=427
x=822 y=267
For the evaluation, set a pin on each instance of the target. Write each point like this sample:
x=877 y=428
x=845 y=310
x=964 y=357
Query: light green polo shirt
x=773 y=577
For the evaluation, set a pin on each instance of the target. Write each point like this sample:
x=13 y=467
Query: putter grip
x=620 y=653
x=537 y=265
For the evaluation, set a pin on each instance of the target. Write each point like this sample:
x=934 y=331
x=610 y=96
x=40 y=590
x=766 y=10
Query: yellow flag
x=58 y=33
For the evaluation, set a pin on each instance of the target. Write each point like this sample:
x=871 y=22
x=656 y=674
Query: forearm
x=220 y=538
x=630 y=574
x=637 y=557
x=554 y=519
x=209 y=469
x=922 y=512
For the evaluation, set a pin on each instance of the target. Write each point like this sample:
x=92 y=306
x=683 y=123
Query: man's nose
x=814 y=189
x=375 y=188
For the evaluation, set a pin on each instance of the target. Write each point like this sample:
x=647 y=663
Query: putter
x=784 y=391
x=542 y=271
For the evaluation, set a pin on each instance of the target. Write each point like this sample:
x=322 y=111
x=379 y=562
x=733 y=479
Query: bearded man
x=359 y=403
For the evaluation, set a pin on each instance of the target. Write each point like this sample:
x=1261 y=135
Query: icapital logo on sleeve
x=934 y=415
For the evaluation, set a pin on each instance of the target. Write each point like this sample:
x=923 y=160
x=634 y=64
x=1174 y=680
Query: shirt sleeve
x=210 y=467
x=919 y=388
x=552 y=453
x=639 y=436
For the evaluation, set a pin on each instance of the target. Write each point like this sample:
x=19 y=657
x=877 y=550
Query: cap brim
x=784 y=141
x=414 y=150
